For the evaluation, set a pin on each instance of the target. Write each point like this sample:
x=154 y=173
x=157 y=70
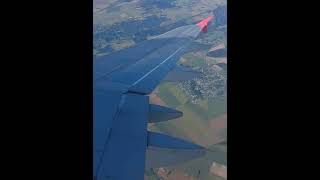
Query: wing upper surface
x=122 y=81
x=144 y=74
x=120 y=141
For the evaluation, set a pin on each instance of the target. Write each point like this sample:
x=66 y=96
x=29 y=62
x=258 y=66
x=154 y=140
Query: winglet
x=204 y=23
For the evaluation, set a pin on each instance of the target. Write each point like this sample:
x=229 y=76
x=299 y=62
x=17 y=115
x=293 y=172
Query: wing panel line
x=144 y=76
x=122 y=101
x=157 y=66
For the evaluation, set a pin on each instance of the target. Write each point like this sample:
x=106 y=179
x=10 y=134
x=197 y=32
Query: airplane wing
x=122 y=145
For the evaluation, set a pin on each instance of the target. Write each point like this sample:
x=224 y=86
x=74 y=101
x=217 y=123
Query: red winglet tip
x=204 y=23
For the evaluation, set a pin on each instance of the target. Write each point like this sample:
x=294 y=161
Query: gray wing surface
x=143 y=70
x=120 y=140
x=122 y=82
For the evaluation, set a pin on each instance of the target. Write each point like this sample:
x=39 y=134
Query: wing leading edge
x=122 y=82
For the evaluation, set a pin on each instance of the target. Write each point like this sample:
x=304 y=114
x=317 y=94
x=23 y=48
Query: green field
x=194 y=125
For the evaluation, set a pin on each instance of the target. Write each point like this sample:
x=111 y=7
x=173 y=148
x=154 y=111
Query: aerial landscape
x=119 y=24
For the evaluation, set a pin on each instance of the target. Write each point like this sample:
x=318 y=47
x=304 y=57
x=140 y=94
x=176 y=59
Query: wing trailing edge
x=164 y=150
x=159 y=113
x=181 y=73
